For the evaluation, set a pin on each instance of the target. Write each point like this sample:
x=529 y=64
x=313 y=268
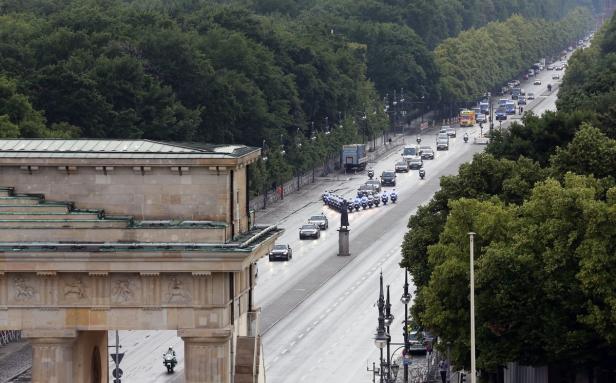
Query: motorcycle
x=350 y=207
x=394 y=197
x=369 y=202
x=364 y=202
x=356 y=205
x=169 y=361
x=384 y=199
x=370 y=174
x=376 y=200
x=422 y=173
x=465 y=137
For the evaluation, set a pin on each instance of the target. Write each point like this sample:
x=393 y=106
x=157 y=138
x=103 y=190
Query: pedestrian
x=443 y=367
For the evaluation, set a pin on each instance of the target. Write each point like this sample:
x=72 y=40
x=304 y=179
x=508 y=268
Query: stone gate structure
x=99 y=235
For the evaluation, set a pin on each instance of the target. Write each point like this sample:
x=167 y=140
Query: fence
x=332 y=164
x=9 y=336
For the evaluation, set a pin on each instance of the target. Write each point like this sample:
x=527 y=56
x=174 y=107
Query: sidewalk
x=14 y=358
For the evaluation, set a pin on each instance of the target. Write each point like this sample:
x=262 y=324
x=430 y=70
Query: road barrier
x=9 y=336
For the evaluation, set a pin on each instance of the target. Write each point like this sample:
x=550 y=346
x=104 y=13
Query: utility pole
x=472 y=254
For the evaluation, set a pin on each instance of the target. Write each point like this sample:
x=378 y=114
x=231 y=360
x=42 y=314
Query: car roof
x=318 y=217
x=308 y=226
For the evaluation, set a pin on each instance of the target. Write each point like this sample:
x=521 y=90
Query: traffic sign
x=117 y=373
x=119 y=357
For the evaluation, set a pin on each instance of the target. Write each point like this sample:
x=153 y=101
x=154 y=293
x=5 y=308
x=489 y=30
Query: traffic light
x=462 y=377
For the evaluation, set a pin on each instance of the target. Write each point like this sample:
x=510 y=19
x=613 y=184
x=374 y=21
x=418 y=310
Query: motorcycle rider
x=384 y=197
x=418 y=140
x=393 y=195
x=422 y=173
x=370 y=173
x=465 y=137
x=171 y=351
x=364 y=201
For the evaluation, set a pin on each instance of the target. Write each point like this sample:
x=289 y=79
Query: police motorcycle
x=357 y=203
x=370 y=201
x=393 y=196
x=376 y=200
x=384 y=198
x=465 y=137
x=422 y=174
x=350 y=206
x=169 y=360
x=364 y=202
x=370 y=173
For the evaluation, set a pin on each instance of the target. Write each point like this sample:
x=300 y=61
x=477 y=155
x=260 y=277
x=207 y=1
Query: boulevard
x=318 y=310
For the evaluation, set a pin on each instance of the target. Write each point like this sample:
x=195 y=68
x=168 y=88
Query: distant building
x=129 y=234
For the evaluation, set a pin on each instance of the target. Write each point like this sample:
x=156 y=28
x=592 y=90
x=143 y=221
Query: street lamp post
x=472 y=261
x=380 y=338
x=389 y=318
x=406 y=299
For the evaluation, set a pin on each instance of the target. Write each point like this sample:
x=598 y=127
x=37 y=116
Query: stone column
x=52 y=355
x=206 y=355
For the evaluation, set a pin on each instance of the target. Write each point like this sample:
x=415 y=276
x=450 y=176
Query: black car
x=416 y=163
x=281 y=253
x=365 y=190
x=388 y=178
x=309 y=231
x=320 y=221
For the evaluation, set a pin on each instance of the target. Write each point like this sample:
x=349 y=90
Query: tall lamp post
x=381 y=337
x=389 y=318
x=472 y=261
x=406 y=299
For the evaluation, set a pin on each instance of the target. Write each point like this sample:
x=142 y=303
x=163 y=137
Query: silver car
x=319 y=220
x=402 y=166
x=309 y=231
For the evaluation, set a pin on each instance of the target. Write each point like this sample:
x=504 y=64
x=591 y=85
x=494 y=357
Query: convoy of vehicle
x=354 y=157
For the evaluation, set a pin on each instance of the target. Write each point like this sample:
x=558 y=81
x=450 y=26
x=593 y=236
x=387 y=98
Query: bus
x=467 y=118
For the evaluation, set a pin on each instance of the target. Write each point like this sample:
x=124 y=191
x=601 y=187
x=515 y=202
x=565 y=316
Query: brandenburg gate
x=101 y=235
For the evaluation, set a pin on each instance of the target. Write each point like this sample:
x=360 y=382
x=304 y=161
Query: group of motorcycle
x=338 y=202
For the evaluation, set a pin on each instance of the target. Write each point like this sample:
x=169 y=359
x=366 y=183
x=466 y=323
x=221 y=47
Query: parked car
x=375 y=184
x=416 y=163
x=530 y=96
x=522 y=101
x=555 y=76
x=402 y=166
x=388 y=178
x=320 y=221
x=550 y=67
x=309 y=231
x=537 y=82
x=281 y=253
x=451 y=132
x=427 y=153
